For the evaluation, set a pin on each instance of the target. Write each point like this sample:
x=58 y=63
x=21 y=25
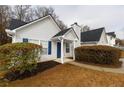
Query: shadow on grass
x=42 y=66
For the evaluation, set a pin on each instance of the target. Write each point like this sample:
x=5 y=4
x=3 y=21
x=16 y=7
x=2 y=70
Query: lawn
x=69 y=75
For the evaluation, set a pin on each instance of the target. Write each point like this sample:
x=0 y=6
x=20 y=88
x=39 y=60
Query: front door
x=58 y=49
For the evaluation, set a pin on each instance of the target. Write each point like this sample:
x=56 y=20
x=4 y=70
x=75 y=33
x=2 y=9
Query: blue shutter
x=49 y=47
x=25 y=39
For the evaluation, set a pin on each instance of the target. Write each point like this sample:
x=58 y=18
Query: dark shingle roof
x=91 y=35
x=61 y=33
x=14 y=23
x=111 y=34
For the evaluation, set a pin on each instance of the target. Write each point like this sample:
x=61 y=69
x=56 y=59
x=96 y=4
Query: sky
x=95 y=16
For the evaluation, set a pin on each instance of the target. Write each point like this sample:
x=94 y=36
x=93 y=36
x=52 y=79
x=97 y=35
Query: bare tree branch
x=4 y=20
x=44 y=11
x=21 y=12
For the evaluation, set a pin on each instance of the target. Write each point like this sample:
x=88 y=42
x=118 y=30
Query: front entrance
x=58 y=49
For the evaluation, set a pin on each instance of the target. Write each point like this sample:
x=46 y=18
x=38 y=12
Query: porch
x=66 y=43
x=65 y=50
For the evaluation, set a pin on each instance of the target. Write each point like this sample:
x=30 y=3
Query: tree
x=21 y=12
x=4 y=20
x=44 y=11
x=30 y=16
x=28 y=13
x=4 y=14
x=119 y=42
x=122 y=43
x=61 y=24
x=86 y=28
x=3 y=36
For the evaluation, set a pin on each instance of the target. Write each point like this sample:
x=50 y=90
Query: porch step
x=66 y=60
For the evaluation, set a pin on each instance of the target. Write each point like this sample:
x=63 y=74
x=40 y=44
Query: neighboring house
x=45 y=31
x=56 y=43
x=94 y=37
x=111 y=38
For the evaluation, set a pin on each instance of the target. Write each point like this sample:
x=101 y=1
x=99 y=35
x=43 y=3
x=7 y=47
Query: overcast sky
x=110 y=17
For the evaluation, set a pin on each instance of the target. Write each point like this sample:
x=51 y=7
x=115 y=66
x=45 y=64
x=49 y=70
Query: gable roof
x=111 y=34
x=15 y=23
x=61 y=33
x=92 y=35
x=20 y=24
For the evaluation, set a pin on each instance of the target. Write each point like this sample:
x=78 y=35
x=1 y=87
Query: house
x=94 y=37
x=98 y=37
x=46 y=32
x=56 y=43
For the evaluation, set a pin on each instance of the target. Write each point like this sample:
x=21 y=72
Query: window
x=25 y=39
x=33 y=41
x=67 y=48
x=49 y=47
x=45 y=47
x=44 y=51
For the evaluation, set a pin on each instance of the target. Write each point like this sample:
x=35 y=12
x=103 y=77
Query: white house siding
x=111 y=40
x=37 y=33
x=70 y=54
x=77 y=30
x=103 y=39
x=43 y=30
x=53 y=53
x=70 y=37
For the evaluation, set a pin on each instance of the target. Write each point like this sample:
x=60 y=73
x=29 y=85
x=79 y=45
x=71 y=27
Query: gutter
x=90 y=42
x=10 y=33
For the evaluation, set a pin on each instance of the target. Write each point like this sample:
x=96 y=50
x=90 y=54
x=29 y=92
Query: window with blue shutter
x=49 y=47
x=25 y=39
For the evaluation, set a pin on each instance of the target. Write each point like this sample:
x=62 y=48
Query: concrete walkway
x=113 y=70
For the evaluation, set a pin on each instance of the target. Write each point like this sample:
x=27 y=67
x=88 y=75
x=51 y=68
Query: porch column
x=62 y=54
x=73 y=50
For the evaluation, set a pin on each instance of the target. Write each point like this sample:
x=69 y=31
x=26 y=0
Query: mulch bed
x=46 y=65
x=42 y=66
x=118 y=65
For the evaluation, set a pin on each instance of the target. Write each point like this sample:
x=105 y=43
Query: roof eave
x=58 y=37
x=37 y=21
x=90 y=42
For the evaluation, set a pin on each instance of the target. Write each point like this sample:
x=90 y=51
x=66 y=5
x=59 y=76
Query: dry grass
x=122 y=54
x=69 y=75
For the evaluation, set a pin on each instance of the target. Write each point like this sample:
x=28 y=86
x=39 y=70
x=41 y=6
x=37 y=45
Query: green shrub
x=19 y=56
x=98 y=54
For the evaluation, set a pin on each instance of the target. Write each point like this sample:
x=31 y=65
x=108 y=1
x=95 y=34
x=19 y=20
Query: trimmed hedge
x=98 y=54
x=19 y=56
